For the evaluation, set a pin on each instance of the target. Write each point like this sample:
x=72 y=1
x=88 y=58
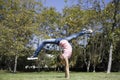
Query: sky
x=60 y=4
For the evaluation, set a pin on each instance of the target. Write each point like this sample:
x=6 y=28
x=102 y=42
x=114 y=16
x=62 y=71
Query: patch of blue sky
x=60 y=4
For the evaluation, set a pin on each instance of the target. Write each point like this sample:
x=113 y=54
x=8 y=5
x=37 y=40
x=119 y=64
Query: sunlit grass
x=58 y=76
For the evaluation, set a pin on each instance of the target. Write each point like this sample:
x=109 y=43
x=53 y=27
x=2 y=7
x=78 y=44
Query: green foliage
x=48 y=21
x=17 y=26
x=73 y=18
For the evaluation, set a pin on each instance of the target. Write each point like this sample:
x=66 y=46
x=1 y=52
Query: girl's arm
x=67 y=75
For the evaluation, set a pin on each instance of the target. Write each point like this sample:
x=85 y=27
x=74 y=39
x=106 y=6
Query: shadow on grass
x=59 y=76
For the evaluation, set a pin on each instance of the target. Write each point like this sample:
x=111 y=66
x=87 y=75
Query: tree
x=19 y=24
x=113 y=9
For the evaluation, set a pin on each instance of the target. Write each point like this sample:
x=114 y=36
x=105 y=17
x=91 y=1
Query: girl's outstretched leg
x=76 y=35
x=43 y=43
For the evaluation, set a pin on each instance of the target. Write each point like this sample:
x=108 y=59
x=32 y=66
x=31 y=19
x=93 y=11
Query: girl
x=64 y=43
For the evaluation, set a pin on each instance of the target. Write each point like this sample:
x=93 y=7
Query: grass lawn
x=58 y=76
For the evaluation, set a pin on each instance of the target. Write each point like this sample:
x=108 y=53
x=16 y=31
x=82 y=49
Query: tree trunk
x=94 y=66
x=9 y=64
x=88 y=66
x=110 y=59
x=15 y=65
x=38 y=65
x=114 y=24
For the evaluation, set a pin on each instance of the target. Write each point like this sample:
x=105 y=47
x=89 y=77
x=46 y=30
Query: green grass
x=58 y=76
